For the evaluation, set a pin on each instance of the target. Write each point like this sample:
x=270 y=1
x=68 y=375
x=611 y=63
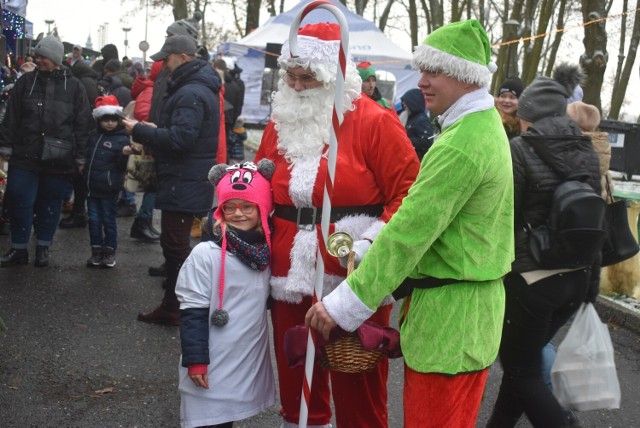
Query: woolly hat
x=246 y=181
x=186 y=27
x=106 y=105
x=113 y=65
x=52 y=48
x=461 y=50
x=318 y=49
x=513 y=85
x=586 y=116
x=366 y=70
x=546 y=96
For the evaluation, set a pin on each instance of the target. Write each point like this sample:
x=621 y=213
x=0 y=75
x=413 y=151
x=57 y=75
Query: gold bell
x=339 y=244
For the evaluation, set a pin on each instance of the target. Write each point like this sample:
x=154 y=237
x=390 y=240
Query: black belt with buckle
x=312 y=215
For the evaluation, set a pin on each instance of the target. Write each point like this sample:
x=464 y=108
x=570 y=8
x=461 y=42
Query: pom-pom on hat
x=460 y=50
x=246 y=181
x=585 y=115
x=366 y=70
x=546 y=96
x=52 y=48
x=318 y=49
x=106 y=105
x=186 y=27
x=513 y=85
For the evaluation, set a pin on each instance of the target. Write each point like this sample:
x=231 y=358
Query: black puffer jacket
x=106 y=165
x=549 y=145
x=112 y=85
x=88 y=77
x=186 y=140
x=54 y=103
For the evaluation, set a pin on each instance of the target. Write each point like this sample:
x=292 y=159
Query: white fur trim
x=303 y=177
x=373 y=230
x=429 y=58
x=346 y=308
x=312 y=49
x=105 y=110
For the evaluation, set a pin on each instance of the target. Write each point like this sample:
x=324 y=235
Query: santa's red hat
x=318 y=49
x=106 y=105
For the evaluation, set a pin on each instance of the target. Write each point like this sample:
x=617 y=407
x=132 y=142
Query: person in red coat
x=375 y=167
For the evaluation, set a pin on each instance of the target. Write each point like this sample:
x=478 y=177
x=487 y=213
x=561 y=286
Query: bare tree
x=253 y=16
x=622 y=78
x=594 y=59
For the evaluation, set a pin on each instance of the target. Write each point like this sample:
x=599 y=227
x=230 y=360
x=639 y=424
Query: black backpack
x=575 y=229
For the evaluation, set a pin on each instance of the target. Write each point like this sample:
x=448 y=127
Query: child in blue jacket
x=104 y=173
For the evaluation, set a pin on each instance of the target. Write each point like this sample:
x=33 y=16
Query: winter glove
x=359 y=248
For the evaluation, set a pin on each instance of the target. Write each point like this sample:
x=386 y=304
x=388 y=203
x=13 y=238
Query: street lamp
x=126 y=41
x=49 y=22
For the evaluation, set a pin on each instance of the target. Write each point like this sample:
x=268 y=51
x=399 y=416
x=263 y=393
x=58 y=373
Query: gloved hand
x=359 y=248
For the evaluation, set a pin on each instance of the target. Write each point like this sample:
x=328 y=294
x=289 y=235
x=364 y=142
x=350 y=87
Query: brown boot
x=196 y=231
x=161 y=315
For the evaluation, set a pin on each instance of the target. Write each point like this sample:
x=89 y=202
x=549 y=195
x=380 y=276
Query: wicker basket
x=347 y=355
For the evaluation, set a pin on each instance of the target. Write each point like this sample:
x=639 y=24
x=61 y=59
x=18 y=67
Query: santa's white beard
x=303 y=121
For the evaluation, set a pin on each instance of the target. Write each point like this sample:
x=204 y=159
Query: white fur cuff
x=346 y=308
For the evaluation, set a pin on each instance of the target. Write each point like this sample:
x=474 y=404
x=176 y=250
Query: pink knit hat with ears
x=246 y=181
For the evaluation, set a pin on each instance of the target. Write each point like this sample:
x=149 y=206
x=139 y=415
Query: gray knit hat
x=52 y=48
x=543 y=98
x=547 y=97
x=186 y=27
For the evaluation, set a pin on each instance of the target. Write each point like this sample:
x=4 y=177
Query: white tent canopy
x=366 y=43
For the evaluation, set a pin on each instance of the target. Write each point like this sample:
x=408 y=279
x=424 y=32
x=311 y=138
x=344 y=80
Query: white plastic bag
x=584 y=374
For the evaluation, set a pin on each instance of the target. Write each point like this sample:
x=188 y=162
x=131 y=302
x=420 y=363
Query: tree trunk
x=180 y=10
x=532 y=58
x=594 y=58
x=617 y=97
x=557 y=39
x=253 y=16
x=413 y=22
x=382 y=23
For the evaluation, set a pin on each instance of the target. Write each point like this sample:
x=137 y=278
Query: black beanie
x=113 y=65
x=512 y=85
x=108 y=52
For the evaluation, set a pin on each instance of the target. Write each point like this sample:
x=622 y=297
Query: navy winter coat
x=185 y=141
x=106 y=165
x=419 y=127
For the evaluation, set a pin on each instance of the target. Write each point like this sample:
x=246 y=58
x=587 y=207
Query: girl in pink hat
x=223 y=286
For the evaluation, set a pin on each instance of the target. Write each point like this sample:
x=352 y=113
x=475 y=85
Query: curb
x=613 y=312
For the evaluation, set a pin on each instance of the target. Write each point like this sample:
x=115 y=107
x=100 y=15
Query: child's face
x=108 y=123
x=241 y=214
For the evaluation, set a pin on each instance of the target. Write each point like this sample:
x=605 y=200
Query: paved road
x=74 y=355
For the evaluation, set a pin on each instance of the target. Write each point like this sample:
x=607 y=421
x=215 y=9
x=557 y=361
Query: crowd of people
x=437 y=191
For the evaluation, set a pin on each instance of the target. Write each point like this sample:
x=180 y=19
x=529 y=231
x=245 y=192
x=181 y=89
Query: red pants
x=360 y=399
x=437 y=400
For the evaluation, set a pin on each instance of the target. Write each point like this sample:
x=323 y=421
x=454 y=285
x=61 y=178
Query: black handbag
x=57 y=154
x=620 y=243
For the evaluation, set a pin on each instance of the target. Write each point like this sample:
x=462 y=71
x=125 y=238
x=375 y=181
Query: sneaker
x=14 y=257
x=96 y=257
x=158 y=270
x=126 y=210
x=108 y=257
x=42 y=256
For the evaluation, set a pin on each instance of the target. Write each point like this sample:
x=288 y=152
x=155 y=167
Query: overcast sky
x=78 y=19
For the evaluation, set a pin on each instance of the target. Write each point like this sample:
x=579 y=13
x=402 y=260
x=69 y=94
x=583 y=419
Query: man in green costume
x=451 y=240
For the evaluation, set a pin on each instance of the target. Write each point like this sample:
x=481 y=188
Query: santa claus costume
x=375 y=167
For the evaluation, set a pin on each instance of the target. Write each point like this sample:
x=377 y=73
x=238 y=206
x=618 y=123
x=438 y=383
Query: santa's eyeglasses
x=291 y=79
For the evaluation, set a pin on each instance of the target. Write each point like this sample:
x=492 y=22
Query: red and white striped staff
x=336 y=121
